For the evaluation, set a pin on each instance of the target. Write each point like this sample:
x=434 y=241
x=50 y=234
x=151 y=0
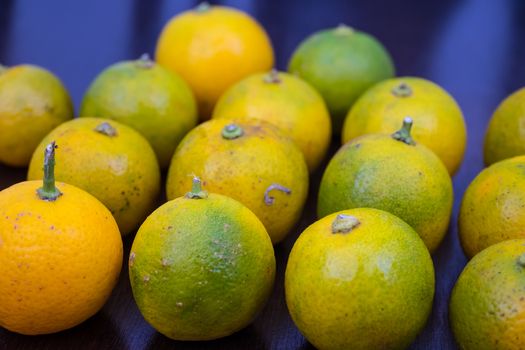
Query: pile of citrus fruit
x=202 y=264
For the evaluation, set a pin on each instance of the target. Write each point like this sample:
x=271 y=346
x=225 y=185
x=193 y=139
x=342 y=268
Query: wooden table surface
x=475 y=49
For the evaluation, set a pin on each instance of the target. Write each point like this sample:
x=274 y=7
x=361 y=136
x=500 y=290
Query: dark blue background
x=473 y=48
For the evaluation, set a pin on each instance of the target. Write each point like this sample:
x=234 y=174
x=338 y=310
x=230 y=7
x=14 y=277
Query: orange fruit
x=392 y=173
x=505 y=137
x=250 y=161
x=359 y=279
x=487 y=306
x=155 y=102
x=60 y=255
x=212 y=47
x=438 y=120
x=201 y=266
x=111 y=161
x=32 y=103
x=492 y=207
x=288 y=103
x=341 y=63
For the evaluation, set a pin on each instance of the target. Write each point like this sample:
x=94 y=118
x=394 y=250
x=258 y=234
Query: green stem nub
x=232 y=131
x=203 y=7
x=144 y=61
x=403 y=134
x=343 y=29
x=402 y=90
x=344 y=223
x=48 y=191
x=196 y=190
x=268 y=200
x=106 y=129
x=521 y=260
x=272 y=77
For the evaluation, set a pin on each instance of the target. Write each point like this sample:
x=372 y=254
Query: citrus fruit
x=438 y=121
x=359 y=279
x=212 y=47
x=201 y=266
x=109 y=160
x=147 y=97
x=250 y=161
x=32 y=102
x=492 y=207
x=60 y=255
x=341 y=63
x=487 y=306
x=392 y=173
x=504 y=138
x=285 y=101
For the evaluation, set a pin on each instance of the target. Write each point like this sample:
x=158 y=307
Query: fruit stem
x=48 y=191
x=232 y=131
x=268 y=200
x=106 y=129
x=2 y=69
x=144 y=61
x=402 y=90
x=344 y=223
x=343 y=29
x=403 y=134
x=196 y=190
x=203 y=7
x=272 y=77
x=521 y=260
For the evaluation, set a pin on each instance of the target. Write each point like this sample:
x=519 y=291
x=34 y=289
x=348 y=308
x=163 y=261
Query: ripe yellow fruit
x=111 y=161
x=32 y=102
x=438 y=121
x=487 y=306
x=287 y=102
x=60 y=255
x=505 y=137
x=492 y=206
x=250 y=161
x=213 y=47
x=201 y=266
x=359 y=279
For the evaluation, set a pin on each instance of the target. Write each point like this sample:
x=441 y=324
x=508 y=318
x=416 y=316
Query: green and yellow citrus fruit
x=438 y=121
x=285 y=101
x=341 y=63
x=250 y=161
x=32 y=102
x=492 y=206
x=147 y=97
x=487 y=306
x=359 y=279
x=201 y=267
x=392 y=173
x=111 y=161
x=505 y=137
x=213 y=47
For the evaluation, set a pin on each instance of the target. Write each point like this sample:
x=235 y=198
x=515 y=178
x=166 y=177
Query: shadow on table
x=91 y=334
x=247 y=338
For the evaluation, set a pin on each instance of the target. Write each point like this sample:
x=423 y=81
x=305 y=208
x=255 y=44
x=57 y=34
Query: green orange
x=201 y=266
x=392 y=173
x=487 y=306
x=147 y=97
x=341 y=63
x=359 y=279
x=32 y=102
